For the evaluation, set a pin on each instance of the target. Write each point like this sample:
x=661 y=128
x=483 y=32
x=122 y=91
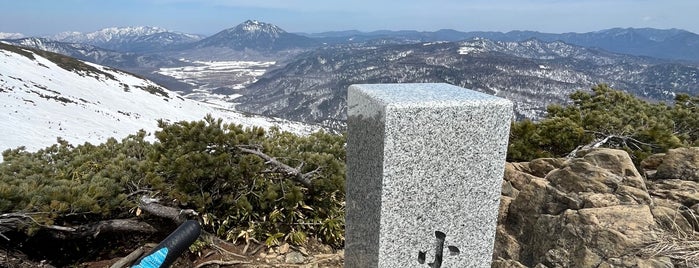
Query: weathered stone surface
x=521 y=166
x=601 y=178
x=506 y=245
x=532 y=201
x=507 y=264
x=582 y=176
x=504 y=208
x=652 y=162
x=680 y=191
x=585 y=237
x=517 y=176
x=294 y=257
x=425 y=163
x=542 y=166
x=681 y=164
x=617 y=162
x=671 y=219
x=635 y=261
x=593 y=211
x=508 y=189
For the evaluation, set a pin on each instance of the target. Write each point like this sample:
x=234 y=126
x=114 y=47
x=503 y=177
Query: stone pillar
x=425 y=165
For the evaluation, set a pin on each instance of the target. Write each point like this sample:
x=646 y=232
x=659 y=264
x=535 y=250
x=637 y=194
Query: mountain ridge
x=532 y=73
x=128 y=39
x=675 y=44
x=11 y=35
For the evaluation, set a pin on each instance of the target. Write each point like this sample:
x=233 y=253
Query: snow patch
x=40 y=101
x=435 y=43
x=465 y=50
x=197 y=74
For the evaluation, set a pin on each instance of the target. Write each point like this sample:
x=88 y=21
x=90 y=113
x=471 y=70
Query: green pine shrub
x=637 y=126
x=195 y=165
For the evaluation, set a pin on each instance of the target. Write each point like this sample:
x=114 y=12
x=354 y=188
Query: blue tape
x=153 y=260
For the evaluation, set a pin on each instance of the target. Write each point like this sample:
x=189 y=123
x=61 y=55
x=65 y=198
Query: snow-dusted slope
x=10 y=35
x=44 y=96
x=107 y=34
x=132 y=39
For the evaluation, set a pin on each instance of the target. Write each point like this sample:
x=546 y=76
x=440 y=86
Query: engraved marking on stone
x=438 y=251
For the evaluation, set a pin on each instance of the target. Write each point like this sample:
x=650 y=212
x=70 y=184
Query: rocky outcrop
x=680 y=163
x=598 y=210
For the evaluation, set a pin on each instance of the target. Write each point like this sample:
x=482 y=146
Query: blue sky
x=45 y=17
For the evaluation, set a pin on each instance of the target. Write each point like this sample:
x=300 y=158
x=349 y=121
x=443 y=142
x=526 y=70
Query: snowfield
x=197 y=74
x=209 y=77
x=41 y=101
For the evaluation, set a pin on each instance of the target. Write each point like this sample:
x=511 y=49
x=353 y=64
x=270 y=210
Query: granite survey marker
x=425 y=165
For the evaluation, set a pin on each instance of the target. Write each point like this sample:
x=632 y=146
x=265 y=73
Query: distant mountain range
x=665 y=44
x=255 y=36
x=11 y=35
x=310 y=72
x=45 y=95
x=531 y=73
x=130 y=39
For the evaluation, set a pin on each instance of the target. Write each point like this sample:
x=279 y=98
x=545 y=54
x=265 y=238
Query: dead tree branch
x=129 y=259
x=604 y=138
x=151 y=206
x=16 y=221
x=294 y=173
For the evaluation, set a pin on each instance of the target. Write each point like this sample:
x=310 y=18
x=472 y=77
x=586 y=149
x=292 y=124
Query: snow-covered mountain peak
x=254 y=27
x=138 y=38
x=107 y=34
x=256 y=35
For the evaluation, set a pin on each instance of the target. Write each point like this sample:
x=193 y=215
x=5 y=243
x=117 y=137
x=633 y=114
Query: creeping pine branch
x=294 y=173
x=623 y=140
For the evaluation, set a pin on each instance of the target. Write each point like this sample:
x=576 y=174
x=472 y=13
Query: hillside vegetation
x=243 y=183
x=608 y=118
x=251 y=184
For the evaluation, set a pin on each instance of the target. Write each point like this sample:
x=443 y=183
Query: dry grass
x=683 y=251
x=675 y=243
